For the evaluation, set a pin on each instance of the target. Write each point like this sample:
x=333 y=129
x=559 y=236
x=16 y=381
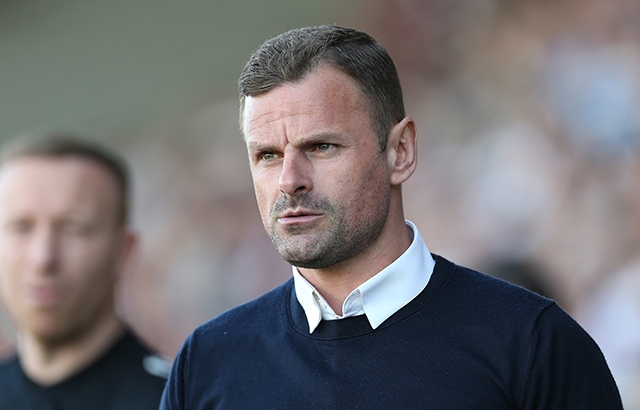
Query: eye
x=19 y=226
x=267 y=156
x=74 y=228
x=323 y=146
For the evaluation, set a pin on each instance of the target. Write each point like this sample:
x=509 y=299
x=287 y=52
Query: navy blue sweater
x=468 y=341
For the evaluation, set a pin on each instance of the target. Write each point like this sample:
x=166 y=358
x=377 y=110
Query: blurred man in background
x=64 y=243
x=370 y=319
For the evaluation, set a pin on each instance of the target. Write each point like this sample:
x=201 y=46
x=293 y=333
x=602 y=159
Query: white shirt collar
x=379 y=297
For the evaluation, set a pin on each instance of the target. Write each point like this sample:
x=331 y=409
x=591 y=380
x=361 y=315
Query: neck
x=336 y=282
x=48 y=364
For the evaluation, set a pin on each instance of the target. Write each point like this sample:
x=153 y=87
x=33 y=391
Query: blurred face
x=321 y=183
x=61 y=245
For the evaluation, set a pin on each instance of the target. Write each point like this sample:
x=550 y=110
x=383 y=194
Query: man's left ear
x=129 y=253
x=402 y=151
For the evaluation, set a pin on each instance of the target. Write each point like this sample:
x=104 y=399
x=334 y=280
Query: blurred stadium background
x=529 y=120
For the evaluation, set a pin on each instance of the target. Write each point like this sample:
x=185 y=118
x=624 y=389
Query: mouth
x=44 y=295
x=298 y=217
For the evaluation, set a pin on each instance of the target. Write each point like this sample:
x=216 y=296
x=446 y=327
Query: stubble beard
x=318 y=248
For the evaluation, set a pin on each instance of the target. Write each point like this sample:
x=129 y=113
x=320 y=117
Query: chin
x=51 y=332
x=319 y=262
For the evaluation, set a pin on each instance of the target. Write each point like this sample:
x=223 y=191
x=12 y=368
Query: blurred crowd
x=529 y=119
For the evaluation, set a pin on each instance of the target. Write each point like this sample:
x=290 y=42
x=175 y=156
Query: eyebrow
x=303 y=141
x=257 y=146
x=321 y=137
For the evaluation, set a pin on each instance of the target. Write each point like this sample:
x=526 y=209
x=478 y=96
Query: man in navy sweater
x=370 y=319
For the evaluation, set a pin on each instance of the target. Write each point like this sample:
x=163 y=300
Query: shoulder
x=16 y=390
x=9 y=370
x=562 y=353
x=239 y=326
x=131 y=359
x=153 y=363
x=133 y=375
x=8 y=362
x=226 y=341
x=476 y=300
x=482 y=291
x=547 y=346
x=251 y=316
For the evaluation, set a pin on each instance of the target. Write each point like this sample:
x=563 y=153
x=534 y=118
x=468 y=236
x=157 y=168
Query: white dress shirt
x=379 y=297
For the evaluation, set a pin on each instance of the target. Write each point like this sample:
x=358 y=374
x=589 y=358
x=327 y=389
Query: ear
x=125 y=265
x=129 y=252
x=402 y=151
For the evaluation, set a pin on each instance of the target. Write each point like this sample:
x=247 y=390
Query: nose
x=42 y=250
x=295 y=176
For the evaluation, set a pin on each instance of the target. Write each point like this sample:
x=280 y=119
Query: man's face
x=61 y=244
x=321 y=182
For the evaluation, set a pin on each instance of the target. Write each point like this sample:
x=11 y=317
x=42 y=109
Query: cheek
x=369 y=193
x=91 y=275
x=6 y=288
x=10 y=252
x=89 y=255
x=260 y=200
x=11 y=279
x=264 y=192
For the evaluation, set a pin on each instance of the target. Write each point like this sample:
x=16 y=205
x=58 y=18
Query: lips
x=298 y=217
x=44 y=295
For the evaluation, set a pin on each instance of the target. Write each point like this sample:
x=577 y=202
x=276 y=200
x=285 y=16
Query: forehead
x=323 y=98
x=56 y=185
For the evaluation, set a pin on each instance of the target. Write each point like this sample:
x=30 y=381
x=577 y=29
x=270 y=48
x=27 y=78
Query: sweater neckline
x=359 y=325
